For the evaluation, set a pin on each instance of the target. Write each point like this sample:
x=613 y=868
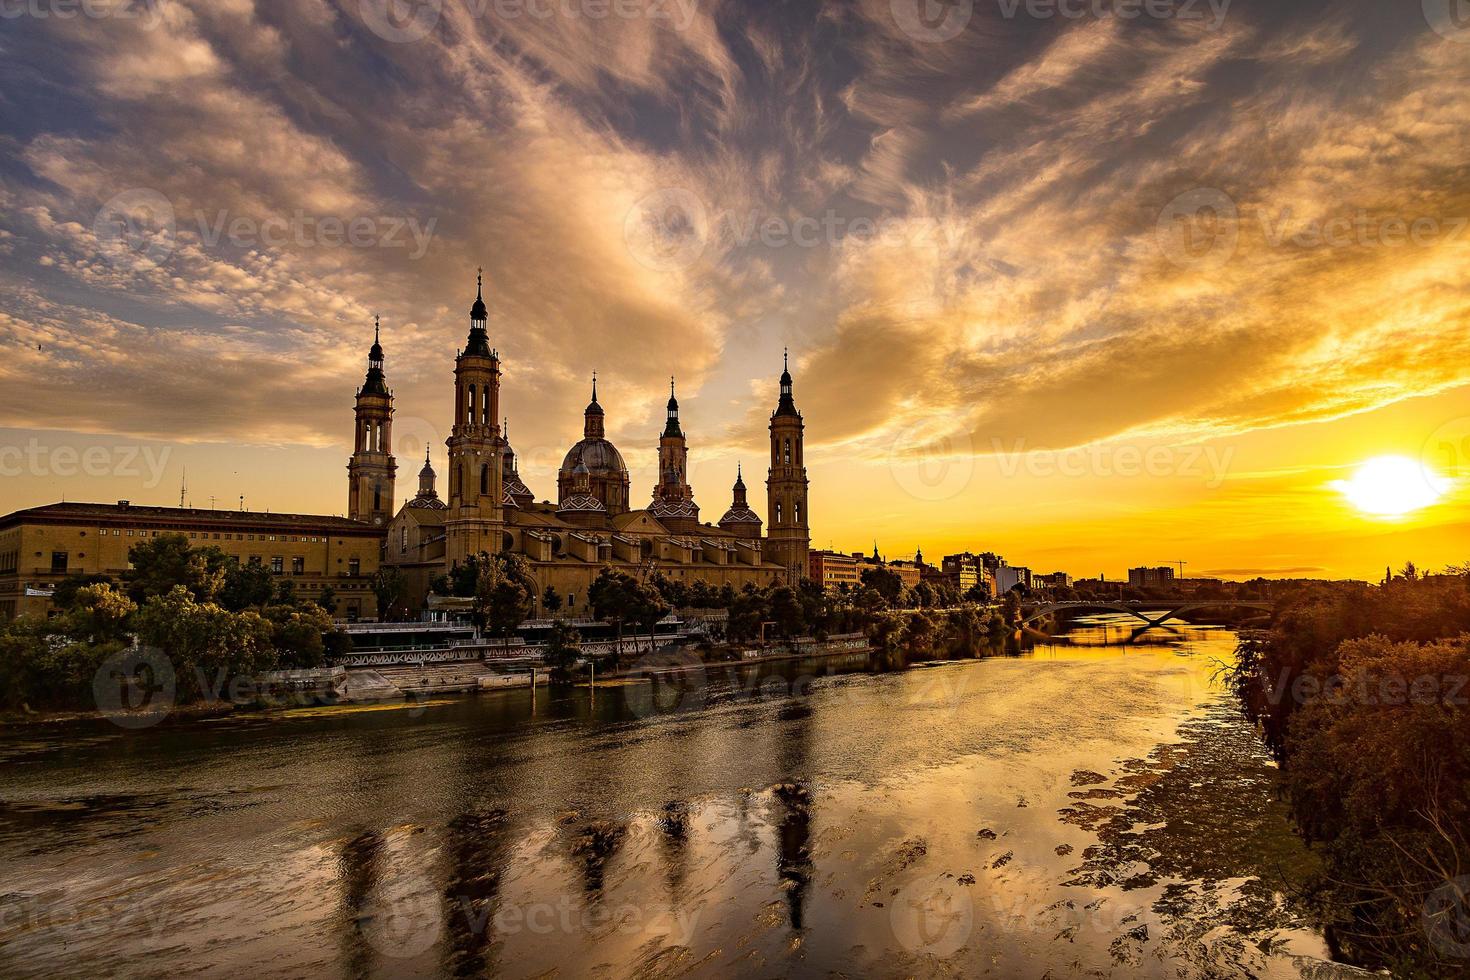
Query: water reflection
x=1081 y=803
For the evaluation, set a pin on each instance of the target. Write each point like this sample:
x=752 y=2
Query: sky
x=1089 y=284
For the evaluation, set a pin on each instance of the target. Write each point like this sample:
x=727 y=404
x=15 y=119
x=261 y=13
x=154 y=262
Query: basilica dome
x=601 y=458
x=606 y=475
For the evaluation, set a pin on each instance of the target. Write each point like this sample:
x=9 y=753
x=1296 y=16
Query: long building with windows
x=327 y=559
x=593 y=522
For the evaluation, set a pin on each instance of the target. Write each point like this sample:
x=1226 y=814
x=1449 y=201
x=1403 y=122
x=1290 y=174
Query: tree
x=551 y=600
x=299 y=634
x=786 y=611
x=158 y=564
x=99 y=614
x=884 y=581
x=389 y=586
x=208 y=644
x=248 y=586
x=563 y=648
x=64 y=595
x=1011 y=608
x=611 y=597
x=503 y=598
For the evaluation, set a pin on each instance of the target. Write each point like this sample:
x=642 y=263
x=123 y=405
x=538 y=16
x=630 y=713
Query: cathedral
x=593 y=524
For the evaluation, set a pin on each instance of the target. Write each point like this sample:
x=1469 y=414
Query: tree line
x=1363 y=693
x=213 y=617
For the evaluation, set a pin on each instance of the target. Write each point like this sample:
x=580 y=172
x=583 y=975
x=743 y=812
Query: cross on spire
x=479 y=281
x=594 y=387
x=375 y=328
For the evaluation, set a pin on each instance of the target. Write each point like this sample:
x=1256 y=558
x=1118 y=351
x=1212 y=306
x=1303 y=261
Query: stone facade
x=593 y=523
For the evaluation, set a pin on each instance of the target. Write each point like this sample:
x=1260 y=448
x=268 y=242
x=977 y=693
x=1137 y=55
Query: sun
x=1391 y=486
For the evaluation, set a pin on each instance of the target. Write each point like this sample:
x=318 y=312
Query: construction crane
x=1176 y=561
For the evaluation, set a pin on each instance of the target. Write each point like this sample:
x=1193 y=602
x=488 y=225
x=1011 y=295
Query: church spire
x=786 y=406
x=479 y=343
x=671 y=427
x=375 y=383
x=592 y=417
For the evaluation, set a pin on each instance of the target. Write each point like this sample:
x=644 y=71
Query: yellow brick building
x=43 y=545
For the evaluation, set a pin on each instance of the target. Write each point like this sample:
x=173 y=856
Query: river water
x=1091 y=807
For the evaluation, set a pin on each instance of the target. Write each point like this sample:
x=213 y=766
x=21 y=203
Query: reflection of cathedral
x=593 y=523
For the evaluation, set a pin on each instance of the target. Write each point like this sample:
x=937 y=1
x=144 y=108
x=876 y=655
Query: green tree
x=299 y=634
x=99 y=614
x=247 y=586
x=208 y=645
x=551 y=601
x=159 y=564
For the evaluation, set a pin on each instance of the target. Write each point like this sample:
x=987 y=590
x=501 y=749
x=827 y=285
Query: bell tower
x=476 y=518
x=673 y=499
x=370 y=471
x=788 y=536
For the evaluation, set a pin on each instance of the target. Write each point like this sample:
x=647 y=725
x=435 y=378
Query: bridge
x=1142 y=610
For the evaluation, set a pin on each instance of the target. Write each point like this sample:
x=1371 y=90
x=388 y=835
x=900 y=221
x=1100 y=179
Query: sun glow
x=1391 y=486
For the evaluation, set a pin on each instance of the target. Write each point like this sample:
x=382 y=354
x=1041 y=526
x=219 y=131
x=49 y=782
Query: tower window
x=778 y=512
x=788 y=452
x=377 y=496
x=470 y=418
x=796 y=511
x=484 y=480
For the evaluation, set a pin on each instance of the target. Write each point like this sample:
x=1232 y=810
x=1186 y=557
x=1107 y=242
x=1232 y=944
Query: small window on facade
x=278 y=565
x=298 y=566
x=354 y=566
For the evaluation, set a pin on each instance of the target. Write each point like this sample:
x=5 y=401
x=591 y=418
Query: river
x=1093 y=806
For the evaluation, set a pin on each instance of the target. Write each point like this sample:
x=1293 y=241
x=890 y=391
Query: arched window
x=484 y=480
x=788 y=452
x=377 y=496
x=778 y=512
x=470 y=417
x=403 y=538
x=485 y=406
x=796 y=511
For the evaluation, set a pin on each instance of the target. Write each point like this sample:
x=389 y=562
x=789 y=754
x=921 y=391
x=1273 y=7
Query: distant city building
x=1159 y=577
x=1056 y=580
x=320 y=556
x=833 y=570
x=1009 y=577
